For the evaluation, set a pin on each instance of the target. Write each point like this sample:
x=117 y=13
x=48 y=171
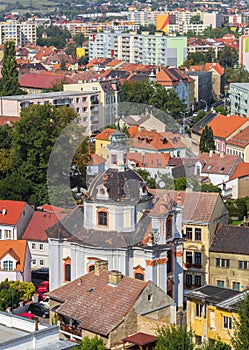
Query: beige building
x=21 y=32
x=229 y=257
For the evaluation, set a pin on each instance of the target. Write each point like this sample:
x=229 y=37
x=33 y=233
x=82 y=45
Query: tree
x=63 y=64
x=174 y=338
x=9 y=84
x=151 y=182
x=180 y=183
x=228 y=57
x=240 y=339
x=217 y=345
x=95 y=343
x=207 y=140
x=210 y=188
x=237 y=208
x=79 y=39
x=71 y=50
x=83 y=60
x=196 y=20
x=197 y=118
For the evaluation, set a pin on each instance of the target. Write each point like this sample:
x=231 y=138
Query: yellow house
x=102 y=141
x=201 y=214
x=229 y=257
x=211 y=312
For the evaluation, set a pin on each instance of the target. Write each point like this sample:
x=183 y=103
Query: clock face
x=161 y=184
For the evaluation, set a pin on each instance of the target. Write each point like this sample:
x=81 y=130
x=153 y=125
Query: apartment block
x=139 y=48
x=22 y=33
x=239 y=96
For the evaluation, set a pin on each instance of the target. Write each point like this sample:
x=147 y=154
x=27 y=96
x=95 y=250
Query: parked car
x=39 y=310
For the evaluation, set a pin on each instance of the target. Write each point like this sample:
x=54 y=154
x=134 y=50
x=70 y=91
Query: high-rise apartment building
x=21 y=32
x=139 y=48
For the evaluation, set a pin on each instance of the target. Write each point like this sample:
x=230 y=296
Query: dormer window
x=8 y=265
x=102 y=192
x=144 y=190
x=102 y=218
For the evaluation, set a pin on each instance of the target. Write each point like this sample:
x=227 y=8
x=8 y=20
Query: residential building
x=229 y=262
x=111 y=306
x=144 y=18
x=14 y=218
x=122 y=222
x=212 y=19
x=139 y=48
x=238 y=184
x=211 y=312
x=218 y=168
x=145 y=121
x=239 y=97
x=21 y=33
x=218 y=78
x=95 y=167
x=86 y=104
x=238 y=144
x=102 y=140
x=18 y=333
x=183 y=28
x=203 y=88
x=15 y=261
x=35 y=235
x=109 y=96
x=244 y=51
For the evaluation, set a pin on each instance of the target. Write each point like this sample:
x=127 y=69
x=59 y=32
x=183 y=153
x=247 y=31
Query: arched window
x=67 y=269
x=91 y=268
x=102 y=218
x=169 y=227
x=139 y=276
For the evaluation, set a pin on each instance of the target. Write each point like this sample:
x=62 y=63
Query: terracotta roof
x=13 y=210
x=150 y=159
x=39 y=223
x=105 y=134
x=140 y=339
x=241 y=171
x=223 y=126
x=42 y=80
x=218 y=164
x=96 y=159
x=113 y=63
x=216 y=66
x=231 y=239
x=17 y=249
x=197 y=206
x=51 y=208
x=99 y=306
x=241 y=139
x=133 y=130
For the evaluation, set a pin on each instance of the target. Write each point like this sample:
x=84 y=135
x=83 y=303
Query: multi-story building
x=139 y=48
x=244 y=51
x=86 y=104
x=239 y=96
x=21 y=32
x=203 y=88
x=144 y=17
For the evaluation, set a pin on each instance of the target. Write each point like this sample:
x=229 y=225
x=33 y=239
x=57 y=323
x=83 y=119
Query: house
x=146 y=121
x=110 y=305
x=229 y=257
x=211 y=312
x=35 y=235
x=239 y=144
x=238 y=184
x=196 y=131
x=218 y=168
x=17 y=333
x=218 y=78
x=14 y=218
x=123 y=222
x=95 y=166
x=15 y=260
x=202 y=212
x=102 y=141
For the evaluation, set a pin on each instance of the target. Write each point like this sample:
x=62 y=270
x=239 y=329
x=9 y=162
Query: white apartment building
x=144 y=17
x=21 y=32
x=139 y=48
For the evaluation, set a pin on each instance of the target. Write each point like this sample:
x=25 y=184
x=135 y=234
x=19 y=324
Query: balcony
x=70 y=331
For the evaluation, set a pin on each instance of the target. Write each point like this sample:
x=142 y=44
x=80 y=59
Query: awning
x=140 y=339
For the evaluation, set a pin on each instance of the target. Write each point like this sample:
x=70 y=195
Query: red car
x=27 y=315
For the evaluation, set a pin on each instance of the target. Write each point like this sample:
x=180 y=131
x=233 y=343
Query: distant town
x=124 y=175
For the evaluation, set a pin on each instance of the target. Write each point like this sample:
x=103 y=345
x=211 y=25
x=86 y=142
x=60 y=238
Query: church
x=138 y=231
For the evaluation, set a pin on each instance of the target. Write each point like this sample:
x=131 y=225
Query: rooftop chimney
x=100 y=265
x=115 y=277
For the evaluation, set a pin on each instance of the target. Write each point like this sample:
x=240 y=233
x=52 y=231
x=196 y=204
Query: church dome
x=119 y=186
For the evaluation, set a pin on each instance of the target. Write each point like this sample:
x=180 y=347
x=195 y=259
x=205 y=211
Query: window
x=41 y=262
x=114 y=159
x=189 y=280
x=197 y=234
x=77 y=110
x=102 y=218
x=41 y=247
x=33 y=246
x=198 y=308
x=197 y=281
x=77 y=100
x=243 y=265
x=34 y=262
x=7 y=234
x=169 y=225
x=220 y=284
x=222 y=263
x=139 y=276
x=189 y=233
x=84 y=109
x=198 y=340
x=236 y=286
x=8 y=266
x=67 y=272
x=189 y=257
x=83 y=99
x=212 y=319
x=150 y=297
x=197 y=258
x=227 y=322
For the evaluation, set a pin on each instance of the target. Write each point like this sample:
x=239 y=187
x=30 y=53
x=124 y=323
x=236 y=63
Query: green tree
x=210 y=188
x=83 y=60
x=217 y=345
x=240 y=339
x=95 y=343
x=151 y=182
x=228 y=57
x=71 y=50
x=174 y=338
x=237 y=208
x=198 y=117
x=79 y=39
x=180 y=183
x=9 y=84
x=196 y=20
x=207 y=140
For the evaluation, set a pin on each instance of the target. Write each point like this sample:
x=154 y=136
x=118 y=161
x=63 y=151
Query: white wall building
x=21 y=32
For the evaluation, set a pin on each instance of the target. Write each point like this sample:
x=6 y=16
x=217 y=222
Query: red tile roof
x=241 y=139
x=218 y=164
x=99 y=306
x=241 y=171
x=51 y=208
x=13 y=210
x=42 y=80
x=17 y=249
x=223 y=126
x=140 y=339
x=216 y=66
x=105 y=134
x=96 y=159
x=150 y=159
x=39 y=223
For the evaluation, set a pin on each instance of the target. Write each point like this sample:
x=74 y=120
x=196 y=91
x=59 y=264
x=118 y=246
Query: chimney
x=115 y=277
x=100 y=265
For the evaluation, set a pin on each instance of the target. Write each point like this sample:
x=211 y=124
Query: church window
x=114 y=159
x=102 y=218
x=67 y=269
x=169 y=227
